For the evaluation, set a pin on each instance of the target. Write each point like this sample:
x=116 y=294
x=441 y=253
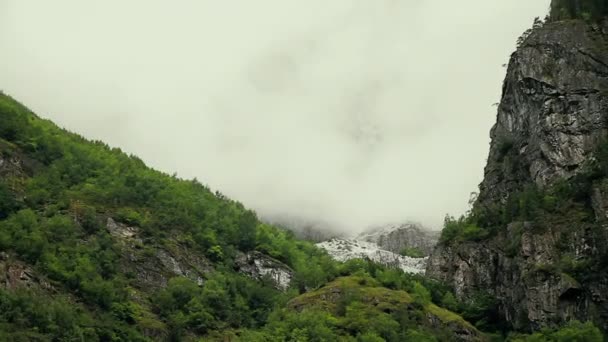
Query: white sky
x=354 y=112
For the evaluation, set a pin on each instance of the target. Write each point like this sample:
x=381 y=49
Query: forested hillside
x=94 y=245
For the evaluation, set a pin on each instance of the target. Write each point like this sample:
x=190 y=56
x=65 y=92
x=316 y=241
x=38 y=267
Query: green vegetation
x=69 y=186
x=359 y=308
x=578 y=9
x=568 y=200
x=412 y=252
x=55 y=205
x=462 y=229
x=573 y=332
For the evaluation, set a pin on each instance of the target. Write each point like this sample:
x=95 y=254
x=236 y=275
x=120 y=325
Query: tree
x=7 y=201
x=420 y=294
x=449 y=301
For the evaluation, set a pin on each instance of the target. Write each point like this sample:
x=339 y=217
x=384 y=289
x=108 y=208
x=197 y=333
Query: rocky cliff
x=547 y=267
x=397 y=237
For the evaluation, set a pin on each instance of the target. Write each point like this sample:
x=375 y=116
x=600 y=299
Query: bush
x=420 y=294
x=412 y=252
x=574 y=331
x=8 y=203
x=463 y=229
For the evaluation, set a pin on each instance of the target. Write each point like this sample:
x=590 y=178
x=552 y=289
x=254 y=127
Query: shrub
x=412 y=252
x=572 y=332
x=461 y=230
x=8 y=203
x=420 y=294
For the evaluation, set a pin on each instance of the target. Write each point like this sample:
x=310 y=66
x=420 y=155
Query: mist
x=350 y=112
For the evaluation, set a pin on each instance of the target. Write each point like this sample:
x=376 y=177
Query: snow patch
x=347 y=249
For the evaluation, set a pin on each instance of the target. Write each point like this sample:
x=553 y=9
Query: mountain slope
x=96 y=246
x=537 y=238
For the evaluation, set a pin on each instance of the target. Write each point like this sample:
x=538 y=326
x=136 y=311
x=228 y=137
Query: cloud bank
x=351 y=112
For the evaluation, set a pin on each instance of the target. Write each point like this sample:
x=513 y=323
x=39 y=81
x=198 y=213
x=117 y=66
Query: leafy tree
x=449 y=301
x=8 y=203
x=420 y=294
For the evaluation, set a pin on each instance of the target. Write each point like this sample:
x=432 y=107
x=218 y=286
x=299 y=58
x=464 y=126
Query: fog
x=351 y=112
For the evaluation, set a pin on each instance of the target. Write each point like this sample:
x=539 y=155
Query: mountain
x=536 y=239
x=96 y=246
x=403 y=246
x=403 y=237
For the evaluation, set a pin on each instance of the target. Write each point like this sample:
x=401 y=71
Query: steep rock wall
x=552 y=116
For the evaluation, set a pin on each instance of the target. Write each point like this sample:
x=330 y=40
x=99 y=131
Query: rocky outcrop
x=120 y=230
x=553 y=114
x=153 y=266
x=15 y=274
x=553 y=109
x=260 y=266
x=396 y=237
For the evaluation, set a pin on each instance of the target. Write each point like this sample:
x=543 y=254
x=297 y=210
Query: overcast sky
x=355 y=112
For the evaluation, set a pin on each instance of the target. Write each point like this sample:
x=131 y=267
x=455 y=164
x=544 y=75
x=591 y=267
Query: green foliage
x=358 y=306
x=359 y=319
x=8 y=204
x=308 y=325
x=420 y=294
x=574 y=331
x=578 y=9
x=31 y=316
x=223 y=301
x=77 y=185
x=481 y=309
x=449 y=302
x=412 y=252
x=419 y=336
x=460 y=230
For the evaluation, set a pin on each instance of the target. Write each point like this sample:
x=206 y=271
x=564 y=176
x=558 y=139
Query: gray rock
x=258 y=266
x=396 y=237
x=553 y=113
x=121 y=230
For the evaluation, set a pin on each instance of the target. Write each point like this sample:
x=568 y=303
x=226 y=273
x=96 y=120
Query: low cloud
x=353 y=113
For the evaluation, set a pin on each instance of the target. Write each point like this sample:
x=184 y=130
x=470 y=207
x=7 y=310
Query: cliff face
x=553 y=108
x=396 y=237
x=552 y=117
